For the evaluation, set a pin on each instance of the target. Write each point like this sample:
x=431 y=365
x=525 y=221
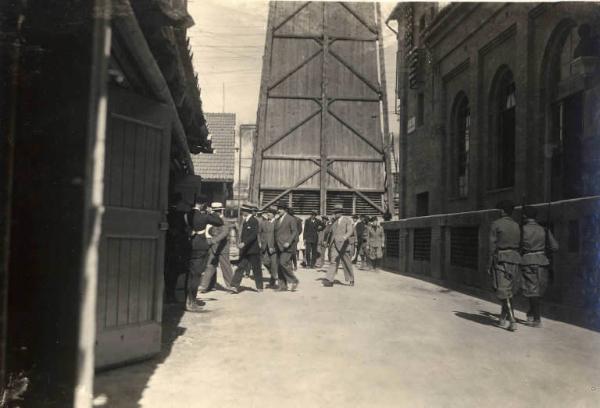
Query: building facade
x=244 y=145
x=497 y=101
x=217 y=169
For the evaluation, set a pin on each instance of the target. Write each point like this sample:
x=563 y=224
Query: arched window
x=503 y=115
x=461 y=129
x=566 y=55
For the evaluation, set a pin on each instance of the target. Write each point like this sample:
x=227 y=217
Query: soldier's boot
x=192 y=304
x=511 y=314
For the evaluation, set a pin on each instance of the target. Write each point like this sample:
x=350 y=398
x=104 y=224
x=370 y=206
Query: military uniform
x=505 y=237
x=534 y=264
x=198 y=223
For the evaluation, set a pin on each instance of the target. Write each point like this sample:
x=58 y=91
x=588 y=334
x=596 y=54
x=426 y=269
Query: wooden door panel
x=131 y=253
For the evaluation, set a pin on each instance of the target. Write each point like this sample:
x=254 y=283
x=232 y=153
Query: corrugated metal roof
x=218 y=166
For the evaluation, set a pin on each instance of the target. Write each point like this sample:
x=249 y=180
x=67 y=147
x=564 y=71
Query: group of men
x=519 y=262
x=269 y=238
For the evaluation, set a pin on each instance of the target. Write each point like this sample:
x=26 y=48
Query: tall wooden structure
x=322 y=116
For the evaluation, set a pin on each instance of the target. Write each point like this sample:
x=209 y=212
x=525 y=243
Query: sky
x=228 y=41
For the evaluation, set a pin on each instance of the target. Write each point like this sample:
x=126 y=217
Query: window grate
x=464 y=247
x=392 y=243
x=422 y=244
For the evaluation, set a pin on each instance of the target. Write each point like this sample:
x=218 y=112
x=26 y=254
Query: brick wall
x=471 y=43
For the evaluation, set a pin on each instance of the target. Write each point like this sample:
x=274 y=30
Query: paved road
x=391 y=341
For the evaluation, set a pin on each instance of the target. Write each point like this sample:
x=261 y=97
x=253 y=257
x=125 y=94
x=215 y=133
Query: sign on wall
x=411 y=124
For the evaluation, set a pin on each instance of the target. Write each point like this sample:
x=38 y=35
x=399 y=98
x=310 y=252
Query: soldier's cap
x=338 y=208
x=283 y=205
x=216 y=206
x=529 y=211
x=313 y=212
x=506 y=205
x=272 y=210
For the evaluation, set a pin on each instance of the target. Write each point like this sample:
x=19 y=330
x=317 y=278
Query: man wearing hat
x=505 y=237
x=312 y=227
x=286 y=236
x=537 y=241
x=341 y=234
x=218 y=253
x=267 y=244
x=249 y=248
x=198 y=221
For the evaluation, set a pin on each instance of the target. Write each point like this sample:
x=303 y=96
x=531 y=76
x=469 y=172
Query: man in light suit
x=342 y=231
x=286 y=237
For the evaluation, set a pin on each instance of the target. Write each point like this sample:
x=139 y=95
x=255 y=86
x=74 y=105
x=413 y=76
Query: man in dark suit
x=312 y=227
x=267 y=244
x=286 y=238
x=249 y=249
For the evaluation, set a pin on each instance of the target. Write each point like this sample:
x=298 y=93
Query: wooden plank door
x=130 y=277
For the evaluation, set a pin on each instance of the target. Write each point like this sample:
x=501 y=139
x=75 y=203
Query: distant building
x=241 y=184
x=217 y=169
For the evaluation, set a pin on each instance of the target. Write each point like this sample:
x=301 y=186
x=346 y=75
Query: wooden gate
x=130 y=276
x=322 y=116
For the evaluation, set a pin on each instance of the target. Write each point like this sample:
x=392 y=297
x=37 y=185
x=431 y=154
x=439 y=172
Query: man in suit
x=342 y=231
x=312 y=227
x=286 y=237
x=359 y=227
x=267 y=244
x=249 y=249
x=198 y=221
x=218 y=253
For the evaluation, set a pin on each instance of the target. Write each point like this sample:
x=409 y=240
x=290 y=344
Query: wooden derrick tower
x=322 y=117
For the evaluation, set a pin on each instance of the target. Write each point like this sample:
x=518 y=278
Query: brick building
x=497 y=101
x=217 y=169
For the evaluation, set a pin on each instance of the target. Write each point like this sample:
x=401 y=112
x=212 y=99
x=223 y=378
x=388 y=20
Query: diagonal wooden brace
x=364 y=197
x=289 y=132
x=343 y=122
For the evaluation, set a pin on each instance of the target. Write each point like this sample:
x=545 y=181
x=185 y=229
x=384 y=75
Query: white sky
x=228 y=41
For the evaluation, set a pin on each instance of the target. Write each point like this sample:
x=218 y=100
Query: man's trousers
x=285 y=272
x=270 y=262
x=246 y=261
x=196 y=266
x=311 y=253
x=346 y=262
x=211 y=269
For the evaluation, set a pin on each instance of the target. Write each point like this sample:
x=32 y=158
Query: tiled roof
x=219 y=165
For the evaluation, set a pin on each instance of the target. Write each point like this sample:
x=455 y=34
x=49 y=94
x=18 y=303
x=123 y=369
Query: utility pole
x=239 y=176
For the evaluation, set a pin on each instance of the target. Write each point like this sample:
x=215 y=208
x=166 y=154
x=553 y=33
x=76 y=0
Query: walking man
x=342 y=231
x=537 y=241
x=374 y=243
x=267 y=245
x=359 y=227
x=249 y=249
x=312 y=227
x=505 y=236
x=198 y=220
x=286 y=237
x=218 y=253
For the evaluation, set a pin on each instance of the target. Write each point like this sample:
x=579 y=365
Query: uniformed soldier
x=198 y=220
x=505 y=237
x=537 y=241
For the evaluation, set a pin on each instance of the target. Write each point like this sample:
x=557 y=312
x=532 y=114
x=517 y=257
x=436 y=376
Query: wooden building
x=217 y=168
x=102 y=113
x=322 y=116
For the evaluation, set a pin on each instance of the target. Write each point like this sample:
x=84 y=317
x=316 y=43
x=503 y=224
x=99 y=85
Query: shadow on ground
x=122 y=387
